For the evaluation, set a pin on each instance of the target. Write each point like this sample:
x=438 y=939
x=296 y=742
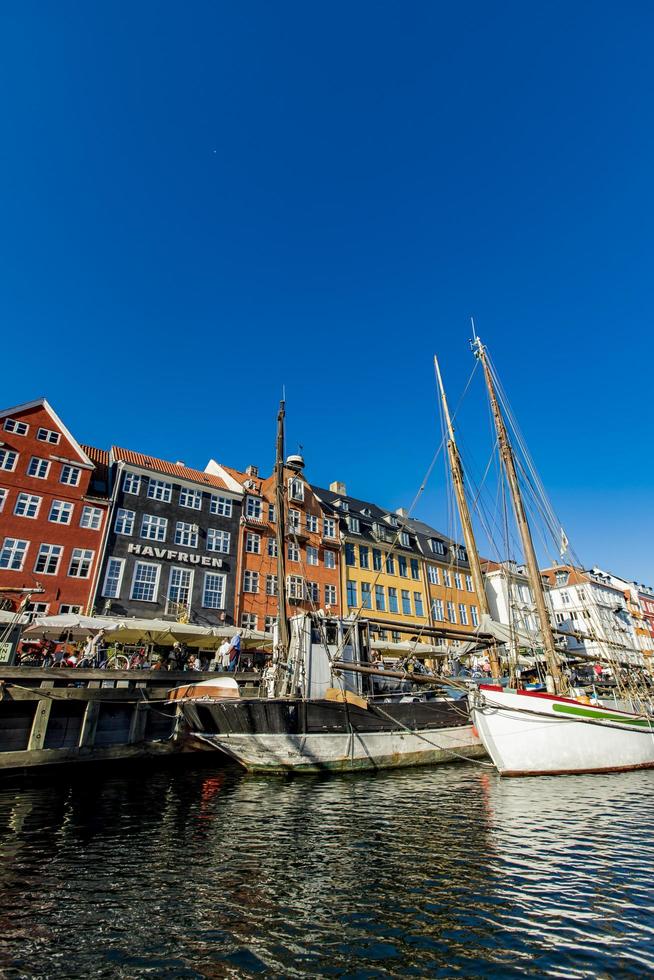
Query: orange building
x=312 y=542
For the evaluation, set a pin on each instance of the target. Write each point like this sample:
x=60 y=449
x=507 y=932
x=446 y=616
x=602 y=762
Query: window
x=18 y=428
x=213 y=592
x=70 y=475
x=437 y=610
x=124 y=521
x=186 y=534
x=13 y=554
x=451 y=614
x=313 y=591
x=35 y=609
x=447 y=578
x=253 y=507
x=380 y=598
x=91 y=518
x=3 y=497
x=417 y=602
x=463 y=614
x=295 y=489
x=402 y=565
x=253 y=543
x=406 y=602
x=330 y=595
x=271 y=585
x=354 y=525
x=154 y=528
x=8 y=459
x=145 y=582
x=377 y=559
x=269 y=623
x=366 y=598
x=272 y=547
x=393 y=521
x=561 y=578
x=350 y=555
x=294 y=519
x=312 y=555
x=329 y=527
x=565 y=598
x=160 y=490
x=415 y=569
x=295 y=586
x=458 y=580
x=460 y=553
x=190 y=498
x=272 y=517
x=392 y=601
x=131 y=483
x=113 y=578
x=218 y=540
x=474 y=615
x=293 y=552
x=27 y=505
x=66 y=607
x=364 y=556
x=312 y=523
x=61 y=512
x=330 y=559
x=180 y=582
x=47 y=560
x=250 y=581
x=343 y=504
x=38 y=468
x=221 y=506
x=469 y=585
x=432 y=574
x=404 y=539
x=390 y=565
x=437 y=546
x=248 y=621
x=80 y=563
x=47 y=435
x=351 y=594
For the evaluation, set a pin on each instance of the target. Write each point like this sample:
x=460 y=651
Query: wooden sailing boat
x=526 y=732
x=321 y=711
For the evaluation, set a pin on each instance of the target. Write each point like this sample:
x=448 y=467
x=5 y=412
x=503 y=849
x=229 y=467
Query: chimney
x=338 y=488
x=401 y=512
x=252 y=470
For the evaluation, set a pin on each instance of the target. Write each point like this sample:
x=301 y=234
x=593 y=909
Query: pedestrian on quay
x=224 y=654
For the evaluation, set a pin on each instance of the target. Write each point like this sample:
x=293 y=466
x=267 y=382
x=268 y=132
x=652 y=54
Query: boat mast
x=280 y=508
x=508 y=460
x=456 y=470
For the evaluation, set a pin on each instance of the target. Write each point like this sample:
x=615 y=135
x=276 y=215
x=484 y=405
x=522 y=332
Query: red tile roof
x=170 y=469
x=99 y=456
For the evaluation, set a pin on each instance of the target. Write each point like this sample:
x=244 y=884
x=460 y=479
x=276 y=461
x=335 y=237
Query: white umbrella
x=74 y=625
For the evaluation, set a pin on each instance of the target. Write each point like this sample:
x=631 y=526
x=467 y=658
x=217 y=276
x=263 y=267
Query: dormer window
x=295 y=489
x=393 y=521
x=437 y=546
x=342 y=504
x=562 y=578
x=460 y=553
x=405 y=540
x=354 y=525
x=366 y=511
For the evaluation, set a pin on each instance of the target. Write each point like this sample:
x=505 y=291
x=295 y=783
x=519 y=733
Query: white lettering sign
x=145 y=551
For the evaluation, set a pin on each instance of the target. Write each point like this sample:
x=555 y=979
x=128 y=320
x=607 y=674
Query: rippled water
x=427 y=872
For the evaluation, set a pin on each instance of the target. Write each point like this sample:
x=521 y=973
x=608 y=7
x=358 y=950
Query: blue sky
x=202 y=203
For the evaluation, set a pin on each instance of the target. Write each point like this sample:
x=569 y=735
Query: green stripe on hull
x=569 y=709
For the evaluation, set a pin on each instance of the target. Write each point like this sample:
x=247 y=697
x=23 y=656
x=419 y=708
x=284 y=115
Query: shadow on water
x=207 y=872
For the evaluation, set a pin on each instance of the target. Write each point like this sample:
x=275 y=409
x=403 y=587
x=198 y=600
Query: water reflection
x=210 y=873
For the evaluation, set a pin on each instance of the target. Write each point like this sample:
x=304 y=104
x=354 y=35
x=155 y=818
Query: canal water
x=208 y=872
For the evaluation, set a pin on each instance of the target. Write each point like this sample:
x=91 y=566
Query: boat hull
x=532 y=734
x=282 y=735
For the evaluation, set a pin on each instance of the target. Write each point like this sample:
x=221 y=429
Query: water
x=208 y=872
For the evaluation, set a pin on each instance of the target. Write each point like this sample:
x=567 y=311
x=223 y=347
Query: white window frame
x=132 y=483
x=40 y=463
x=127 y=518
x=8 y=454
x=253 y=507
x=432 y=575
x=354 y=524
x=312 y=523
x=469 y=586
x=63 y=507
x=118 y=579
x=186 y=534
x=458 y=581
x=190 y=498
x=220 y=505
x=28 y=499
x=252 y=543
x=161 y=490
x=83 y=555
x=49 y=552
x=313 y=557
x=405 y=540
x=224 y=539
x=272 y=588
x=293 y=553
x=474 y=615
x=438 y=610
x=13 y=551
x=155 y=584
x=329 y=558
x=16 y=426
x=154 y=521
x=93 y=518
x=174 y=569
x=271 y=547
x=68 y=608
x=3 y=498
x=249 y=621
x=330 y=591
x=221 y=592
x=43 y=435
x=72 y=474
x=463 y=614
x=250 y=581
x=329 y=527
x=295 y=489
x=295 y=587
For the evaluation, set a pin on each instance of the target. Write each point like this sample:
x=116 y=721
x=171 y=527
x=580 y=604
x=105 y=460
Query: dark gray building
x=172 y=542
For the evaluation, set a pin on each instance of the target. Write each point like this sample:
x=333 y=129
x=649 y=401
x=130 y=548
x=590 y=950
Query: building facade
x=172 y=542
x=53 y=511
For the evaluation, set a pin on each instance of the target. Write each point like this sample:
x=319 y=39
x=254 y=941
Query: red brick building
x=53 y=511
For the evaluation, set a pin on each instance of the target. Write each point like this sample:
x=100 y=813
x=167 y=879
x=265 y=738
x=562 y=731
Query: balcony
x=298 y=531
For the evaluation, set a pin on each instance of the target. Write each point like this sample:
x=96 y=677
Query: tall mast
x=521 y=520
x=456 y=470
x=280 y=507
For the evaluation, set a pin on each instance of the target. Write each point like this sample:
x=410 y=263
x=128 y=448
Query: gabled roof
x=100 y=476
x=162 y=466
x=43 y=403
x=235 y=480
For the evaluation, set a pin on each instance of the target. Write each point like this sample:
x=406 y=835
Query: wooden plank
x=39 y=725
x=87 y=734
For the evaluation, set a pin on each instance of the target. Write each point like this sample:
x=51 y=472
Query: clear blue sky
x=202 y=202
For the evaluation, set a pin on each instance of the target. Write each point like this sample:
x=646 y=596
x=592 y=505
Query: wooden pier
x=72 y=715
